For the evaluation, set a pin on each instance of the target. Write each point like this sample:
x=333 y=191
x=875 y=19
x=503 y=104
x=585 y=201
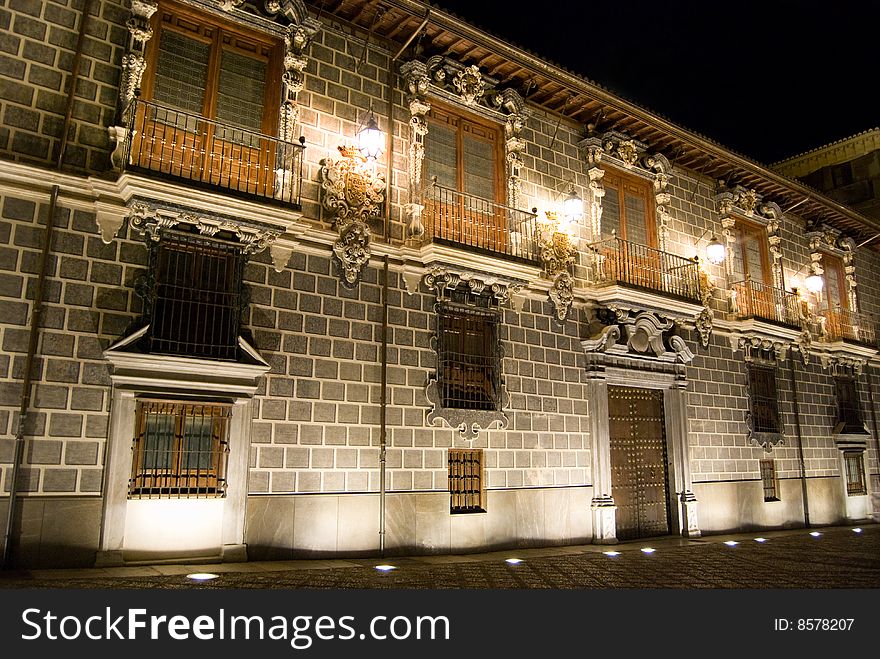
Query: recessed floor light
x=857 y=530
x=202 y=576
x=815 y=534
x=385 y=568
x=648 y=550
x=731 y=543
x=760 y=539
x=611 y=553
x=513 y=561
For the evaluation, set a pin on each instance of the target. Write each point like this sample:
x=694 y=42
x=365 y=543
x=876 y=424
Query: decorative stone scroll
x=353 y=191
x=444 y=282
x=645 y=334
x=150 y=221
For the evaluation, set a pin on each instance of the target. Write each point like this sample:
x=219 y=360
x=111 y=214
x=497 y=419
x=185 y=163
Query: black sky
x=767 y=79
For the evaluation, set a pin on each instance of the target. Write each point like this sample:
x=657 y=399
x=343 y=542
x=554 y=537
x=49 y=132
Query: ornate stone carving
x=469 y=84
x=352 y=250
x=352 y=191
x=562 y=295
x=662 y=169
x=468 y=422
x=280 y=256
x=229 y=5
x=704 y=325
x=840 y=363
x=133 y=62
x=151 y=221
x=774 y=215
x=416 y=83
x=626 y=149
x=750 y=344
x=648 y=335
x=296 y=41
x=444 y=281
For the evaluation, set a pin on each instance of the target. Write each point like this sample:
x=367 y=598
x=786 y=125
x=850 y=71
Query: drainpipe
x=383 y=395
x=800 y=440
x=37 y=311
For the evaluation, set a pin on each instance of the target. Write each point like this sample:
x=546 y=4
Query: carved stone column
x=675 y=404
x=593 y=155
x=603 y=508
x=774 y=214
x=514 y=146
x=296 y=41
x=416 y=82
x=658 y=164
x=848 y=246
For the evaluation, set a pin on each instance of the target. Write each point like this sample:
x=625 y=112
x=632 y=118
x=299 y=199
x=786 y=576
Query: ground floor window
x=466 y=481
x=180 y=449
x=855 y=473
x=769 y=481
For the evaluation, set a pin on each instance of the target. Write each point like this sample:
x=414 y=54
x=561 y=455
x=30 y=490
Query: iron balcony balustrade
x=845 y=325
x=618 y=261
x=186 y=147
x=462 y=220
x=755 y=299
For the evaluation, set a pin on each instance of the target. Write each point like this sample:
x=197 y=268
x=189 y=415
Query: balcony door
x=628 y=214
x=750 y=264
x=465 y=206
x=210 y=96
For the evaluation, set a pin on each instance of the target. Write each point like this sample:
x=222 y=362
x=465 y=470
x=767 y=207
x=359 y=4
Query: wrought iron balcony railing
x=617 y=261
x=464 y=220
x=754 y=299
x=845 y=325
x=182 y=146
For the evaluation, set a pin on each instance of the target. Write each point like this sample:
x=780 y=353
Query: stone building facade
x=251 y=346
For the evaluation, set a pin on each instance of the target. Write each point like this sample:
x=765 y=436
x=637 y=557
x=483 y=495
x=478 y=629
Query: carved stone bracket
x=150 y=221
x=352 y=192
x=705 y=324
x=842 y=364
x=562 y=295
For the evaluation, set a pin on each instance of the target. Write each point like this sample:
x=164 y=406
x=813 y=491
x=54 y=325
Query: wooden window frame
x=219 y=31
x=833 y=267
x=854 y=473
x=179 y=480
x=743 y=229
x=623 y=183
x=460 y=120
x=769 y=480
x=467 y=493
x=849 y=419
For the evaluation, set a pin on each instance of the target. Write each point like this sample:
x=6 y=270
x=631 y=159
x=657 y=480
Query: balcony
x=754 y=299
x=184 y=147
x=845 y=325
x=461 y=220
x=620 y=262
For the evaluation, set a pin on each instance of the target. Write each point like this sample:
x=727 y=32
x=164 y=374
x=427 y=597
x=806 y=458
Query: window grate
x=468 y=359
x=768 y=480
x=764 y=404
x=179 y=450
x=196 y=297
x=855 y=473
x=466 y=481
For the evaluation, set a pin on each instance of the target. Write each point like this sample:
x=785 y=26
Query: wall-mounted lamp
x=814 y=283
x=572 y=206
x=715 y=250
x=370 y=139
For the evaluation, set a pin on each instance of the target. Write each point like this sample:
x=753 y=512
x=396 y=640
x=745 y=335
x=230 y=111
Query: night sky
x=767 y=79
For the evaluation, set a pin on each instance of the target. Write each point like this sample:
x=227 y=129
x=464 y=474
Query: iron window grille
x=179 y=450
x=195 y=297
x=763 y=401
x=469 y=360
x=466 y=481
x=769 y=481
x=849 y=412
x=855 y=473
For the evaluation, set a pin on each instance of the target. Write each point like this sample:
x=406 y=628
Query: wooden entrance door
x=639 y=473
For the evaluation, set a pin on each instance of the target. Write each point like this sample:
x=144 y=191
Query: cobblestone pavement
x=837 y=558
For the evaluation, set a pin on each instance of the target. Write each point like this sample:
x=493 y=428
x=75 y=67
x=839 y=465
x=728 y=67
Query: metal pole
x=800 y=440
x=36 y=313
x=876 y=435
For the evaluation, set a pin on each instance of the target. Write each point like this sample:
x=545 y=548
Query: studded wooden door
x=639 y=473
